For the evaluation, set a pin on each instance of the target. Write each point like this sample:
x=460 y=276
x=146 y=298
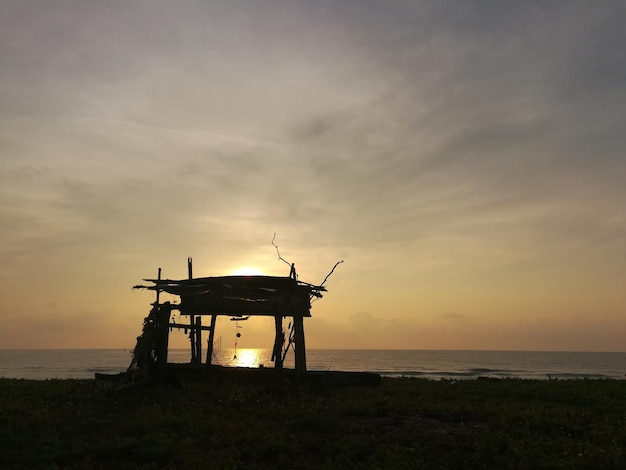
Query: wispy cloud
x=419 y=141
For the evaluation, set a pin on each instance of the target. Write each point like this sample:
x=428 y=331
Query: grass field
x=403 y=423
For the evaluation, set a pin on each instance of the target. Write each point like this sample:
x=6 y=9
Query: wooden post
x=192 y=323
x=279 y=340
x=199 y=339
x=163 y=331
x=209 y=353
x=299 y=343
x=158 y=290
x=192 y=338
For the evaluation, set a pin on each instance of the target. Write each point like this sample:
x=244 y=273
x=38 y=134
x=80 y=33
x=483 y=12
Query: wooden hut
x=238 y=297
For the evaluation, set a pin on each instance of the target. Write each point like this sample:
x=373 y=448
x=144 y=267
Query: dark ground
x=402 y=423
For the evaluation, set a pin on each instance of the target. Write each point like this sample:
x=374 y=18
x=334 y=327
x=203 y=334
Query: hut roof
x=236 y=295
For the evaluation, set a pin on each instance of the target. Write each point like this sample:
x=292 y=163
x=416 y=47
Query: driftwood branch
x=331 y=271
x=290 y=343
x=315 y=296
x=278 y=252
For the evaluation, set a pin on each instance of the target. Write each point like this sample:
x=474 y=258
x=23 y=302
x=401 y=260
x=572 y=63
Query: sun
x=247 y=271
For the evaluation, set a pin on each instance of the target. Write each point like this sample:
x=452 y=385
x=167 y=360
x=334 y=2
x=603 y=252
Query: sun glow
x=247 y=271
x=248 y=358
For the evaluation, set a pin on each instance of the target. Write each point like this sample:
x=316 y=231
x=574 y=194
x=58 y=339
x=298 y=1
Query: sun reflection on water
x=248 y=358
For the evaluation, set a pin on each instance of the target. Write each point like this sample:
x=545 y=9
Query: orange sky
x=467 y=164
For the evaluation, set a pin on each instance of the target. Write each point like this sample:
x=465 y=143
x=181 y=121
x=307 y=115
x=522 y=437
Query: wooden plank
x=183 y=326
x=233 y=312
x=240 y=307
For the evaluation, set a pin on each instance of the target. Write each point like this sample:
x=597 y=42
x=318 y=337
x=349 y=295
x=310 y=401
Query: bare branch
x=331 y=271
x=315 y=297
x=290 y=344
x=278 y=252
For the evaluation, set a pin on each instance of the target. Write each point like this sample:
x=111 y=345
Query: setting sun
x=247 y=271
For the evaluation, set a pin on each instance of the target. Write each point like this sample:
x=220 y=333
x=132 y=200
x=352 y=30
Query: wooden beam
x=235 y=312
x=192 y=340
x=198 y=328
x=192 y=321
x=279 y=340
x=207 y=305
x=182 y=326
x=209 y=354
x=158 y=291
x=299 y=344
x=162 y=338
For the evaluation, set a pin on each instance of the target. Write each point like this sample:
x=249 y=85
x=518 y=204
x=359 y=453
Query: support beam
x=158 y=290
x=192 y=339
x=299 y=343
x=162 y=338
x=209 y=353
x=183 y=326
x=198 y=329
x=193 y=334
x=279 y=340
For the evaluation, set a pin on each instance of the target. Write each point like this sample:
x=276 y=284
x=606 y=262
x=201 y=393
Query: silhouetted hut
x=238 y=297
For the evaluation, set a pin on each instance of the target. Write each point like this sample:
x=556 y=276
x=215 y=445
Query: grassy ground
x=404 y=423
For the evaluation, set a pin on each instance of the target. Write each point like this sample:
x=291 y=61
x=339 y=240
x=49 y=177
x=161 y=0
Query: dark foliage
x=404 y=423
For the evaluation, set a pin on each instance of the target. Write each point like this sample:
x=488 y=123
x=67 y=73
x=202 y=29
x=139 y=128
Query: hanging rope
x=237 y=333
x=237 y=336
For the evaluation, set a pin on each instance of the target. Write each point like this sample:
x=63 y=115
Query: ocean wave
x=432 y=365
x=490 y=373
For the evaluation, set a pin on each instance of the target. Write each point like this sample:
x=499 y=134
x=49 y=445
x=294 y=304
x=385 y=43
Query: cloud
x=419 y=142
x=454 y=316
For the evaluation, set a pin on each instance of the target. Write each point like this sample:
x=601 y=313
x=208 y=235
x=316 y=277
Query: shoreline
x=428 y=364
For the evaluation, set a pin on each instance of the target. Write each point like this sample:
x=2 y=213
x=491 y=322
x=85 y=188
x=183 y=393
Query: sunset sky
x=466 y=160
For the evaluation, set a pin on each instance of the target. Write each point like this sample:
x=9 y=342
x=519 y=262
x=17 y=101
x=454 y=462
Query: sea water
x=83 y=364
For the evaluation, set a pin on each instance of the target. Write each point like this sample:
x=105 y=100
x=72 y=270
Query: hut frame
x=235 y=296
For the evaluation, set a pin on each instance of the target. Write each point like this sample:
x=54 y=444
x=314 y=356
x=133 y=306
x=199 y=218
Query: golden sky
x=466 y=160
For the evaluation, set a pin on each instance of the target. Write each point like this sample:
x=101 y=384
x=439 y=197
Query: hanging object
x=237 y=333
x=237 y=319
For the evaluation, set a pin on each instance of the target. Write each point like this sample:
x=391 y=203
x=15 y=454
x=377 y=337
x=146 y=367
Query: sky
x=465 y=159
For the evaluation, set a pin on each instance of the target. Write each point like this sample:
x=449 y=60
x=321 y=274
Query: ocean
x=435 y=365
